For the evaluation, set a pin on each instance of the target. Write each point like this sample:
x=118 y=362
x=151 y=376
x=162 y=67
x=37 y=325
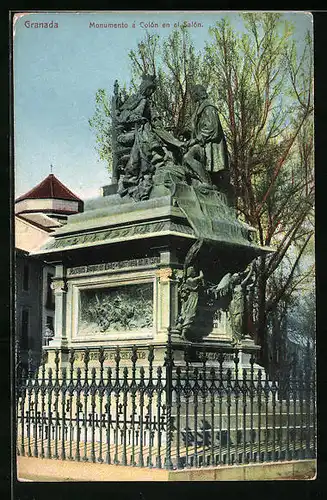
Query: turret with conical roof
x=50 y=197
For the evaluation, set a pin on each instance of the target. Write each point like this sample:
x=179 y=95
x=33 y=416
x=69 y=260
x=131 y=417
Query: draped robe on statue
x=210 y=151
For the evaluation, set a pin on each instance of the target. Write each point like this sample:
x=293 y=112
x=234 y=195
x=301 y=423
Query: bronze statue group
x=143 y=146
x=144 y=150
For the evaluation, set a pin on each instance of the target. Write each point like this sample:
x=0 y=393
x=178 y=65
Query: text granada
x=51 y=24
x=107 y=25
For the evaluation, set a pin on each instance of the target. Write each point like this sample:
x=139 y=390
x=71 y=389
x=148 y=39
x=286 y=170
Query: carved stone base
x=118 y=245
x=213 y=350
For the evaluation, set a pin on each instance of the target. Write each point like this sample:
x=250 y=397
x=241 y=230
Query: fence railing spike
x=181 y=410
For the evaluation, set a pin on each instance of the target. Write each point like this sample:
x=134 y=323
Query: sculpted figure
x=136 y=108
x=207 y=149
x=143 y=144
x=189 y=292
x=231 y=291
x=136 y=139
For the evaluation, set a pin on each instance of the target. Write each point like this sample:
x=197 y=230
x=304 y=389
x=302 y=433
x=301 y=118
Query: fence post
x=18 y=384
x=17 y=366
x=308 y=408
x=150 y=391
x=133 y=389
x=169 y=377
x=30 y=402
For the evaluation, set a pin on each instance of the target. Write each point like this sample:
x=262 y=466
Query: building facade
x=37 y=214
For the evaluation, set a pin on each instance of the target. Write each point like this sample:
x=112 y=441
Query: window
x=26 y=277
x=49 y=331
x=50 y=322
x=25 y=328
x=50 y=295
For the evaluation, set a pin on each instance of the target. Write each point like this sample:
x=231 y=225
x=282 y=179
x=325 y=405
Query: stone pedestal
x=118 y=269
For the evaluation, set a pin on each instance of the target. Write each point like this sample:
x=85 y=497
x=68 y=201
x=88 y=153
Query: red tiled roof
x=50 y=187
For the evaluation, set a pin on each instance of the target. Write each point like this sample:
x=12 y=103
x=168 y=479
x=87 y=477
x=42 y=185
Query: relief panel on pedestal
x=116 y=309
x=113 y=311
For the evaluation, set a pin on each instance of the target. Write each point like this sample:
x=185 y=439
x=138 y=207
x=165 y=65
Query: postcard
x=164 y=245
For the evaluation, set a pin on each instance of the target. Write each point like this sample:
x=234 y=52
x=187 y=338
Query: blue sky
x=57 y=72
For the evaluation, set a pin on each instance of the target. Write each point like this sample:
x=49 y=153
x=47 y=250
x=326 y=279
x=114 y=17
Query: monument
x=164 y=251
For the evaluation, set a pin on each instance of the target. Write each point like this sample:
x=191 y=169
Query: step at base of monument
x=248 y=435
x=221 y=405
x=255 y=420
x=182 y=457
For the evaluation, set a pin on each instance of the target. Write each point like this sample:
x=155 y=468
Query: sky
x=56 y=73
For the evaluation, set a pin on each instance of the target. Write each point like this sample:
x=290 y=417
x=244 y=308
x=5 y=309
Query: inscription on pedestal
x=110 y=355
x=214 y=356
x=94 y=268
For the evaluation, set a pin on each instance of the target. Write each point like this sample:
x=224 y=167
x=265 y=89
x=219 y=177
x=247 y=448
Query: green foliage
x=177 y=66
x=101 y=124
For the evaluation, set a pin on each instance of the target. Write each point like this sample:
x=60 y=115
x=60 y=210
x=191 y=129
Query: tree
x=177 y=67
x=263 y=90
x=101 y=123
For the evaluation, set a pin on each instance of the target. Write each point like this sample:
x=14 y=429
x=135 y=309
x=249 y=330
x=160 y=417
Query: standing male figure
x=207 y=147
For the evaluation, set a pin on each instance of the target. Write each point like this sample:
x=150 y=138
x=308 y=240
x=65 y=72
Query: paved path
x=52 y=470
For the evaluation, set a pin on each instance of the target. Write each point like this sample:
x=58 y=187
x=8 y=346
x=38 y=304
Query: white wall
x=46 y=204
x=29 y=237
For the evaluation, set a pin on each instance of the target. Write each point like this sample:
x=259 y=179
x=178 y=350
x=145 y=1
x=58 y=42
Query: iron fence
x=184 y=409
